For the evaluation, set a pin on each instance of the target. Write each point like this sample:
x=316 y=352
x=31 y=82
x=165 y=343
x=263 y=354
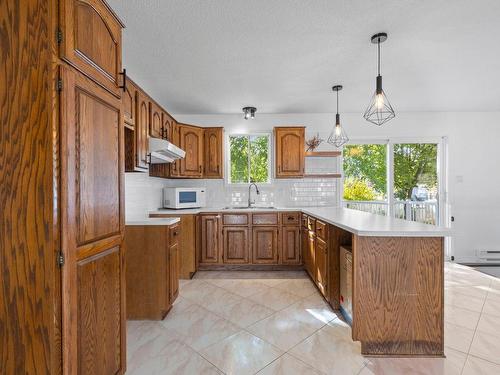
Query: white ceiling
x=283 y=56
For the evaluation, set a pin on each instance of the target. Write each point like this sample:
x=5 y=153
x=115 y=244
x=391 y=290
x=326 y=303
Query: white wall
x=473 y=159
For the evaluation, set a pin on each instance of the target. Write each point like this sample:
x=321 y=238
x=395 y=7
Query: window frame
x=227 y=162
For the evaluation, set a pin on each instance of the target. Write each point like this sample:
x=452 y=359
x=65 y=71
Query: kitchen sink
x=249 y=208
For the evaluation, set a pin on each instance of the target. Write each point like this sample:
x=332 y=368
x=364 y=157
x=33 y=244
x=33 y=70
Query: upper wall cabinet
x=141 y=130
x=156 y=121
x=191 y=141
x=290 y=155
x=128 y=102
x=90 y=39
x=213 y=160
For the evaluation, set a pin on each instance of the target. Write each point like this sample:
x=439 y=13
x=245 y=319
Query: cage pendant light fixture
x=249 y=112
x=379 y=110
x=338 y=137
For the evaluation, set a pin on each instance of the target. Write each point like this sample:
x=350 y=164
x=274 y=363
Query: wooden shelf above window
x=322 y=175
x=315 y=154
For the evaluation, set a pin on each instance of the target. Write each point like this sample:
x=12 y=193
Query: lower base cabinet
x=235 y=245
x=265 y=245
x=321 y=269
x=291 y=246
x=152 y=270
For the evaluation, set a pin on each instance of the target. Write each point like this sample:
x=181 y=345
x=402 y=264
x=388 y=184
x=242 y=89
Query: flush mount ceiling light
x=249 y=112
x=379 y=110
x=338 y=136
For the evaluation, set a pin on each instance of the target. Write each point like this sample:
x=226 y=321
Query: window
x=249 y=158
x=397 y=179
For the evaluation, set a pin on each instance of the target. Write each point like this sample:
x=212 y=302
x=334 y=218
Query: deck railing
x=420 y=211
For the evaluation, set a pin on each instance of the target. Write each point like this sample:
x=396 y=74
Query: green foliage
x=414 y=164
x=367 y=163
x=356 y=189
x=249 y=158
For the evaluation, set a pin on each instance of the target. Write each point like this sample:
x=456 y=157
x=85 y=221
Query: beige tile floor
x=277 y=323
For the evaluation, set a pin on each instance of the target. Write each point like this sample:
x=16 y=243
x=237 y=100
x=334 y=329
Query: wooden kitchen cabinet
x=211 y=239
x=213 y=153
x=235 y=245
x=91 y=172
x=311 y=255
x=265 y=245
x=129 y=104
x=156 y=128
x=290 y=153
x=152 y=270
x=321 y=265
x=142 y=130
x=291 y=245
x=191 y=141
x=91 y=41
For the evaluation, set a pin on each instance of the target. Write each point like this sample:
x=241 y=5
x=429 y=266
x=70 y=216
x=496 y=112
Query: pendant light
x=338 y=136
x=249 y=112
x=380 y=110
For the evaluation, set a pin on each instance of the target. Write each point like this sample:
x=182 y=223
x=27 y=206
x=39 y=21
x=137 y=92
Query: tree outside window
x=249 y=158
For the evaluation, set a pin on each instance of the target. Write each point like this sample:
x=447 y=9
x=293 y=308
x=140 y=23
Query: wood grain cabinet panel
x=92 y=41
x=210 y=244
x=213 y=150
x=265 y=219
x=311 y=255
x=142 y=130
x=156 y=128
x=93 y=312
x=291 y=245
x=290 y=218
x=191 y=141
x=236 y=245
x=265 y=245
x=235 y=219
x=129 y=104
x=290 y=154
x=321 y=230
x=99 y=313
x=321 y=265
x=174 y=265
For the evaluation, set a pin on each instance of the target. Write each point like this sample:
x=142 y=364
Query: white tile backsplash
x=144 y=193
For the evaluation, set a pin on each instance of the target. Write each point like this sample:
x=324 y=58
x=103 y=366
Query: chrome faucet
x=250 y=202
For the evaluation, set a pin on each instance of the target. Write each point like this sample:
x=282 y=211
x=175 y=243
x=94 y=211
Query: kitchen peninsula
x=397 y=266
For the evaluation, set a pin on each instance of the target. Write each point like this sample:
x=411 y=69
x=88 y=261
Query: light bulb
x=338 y=129
x=379 y=101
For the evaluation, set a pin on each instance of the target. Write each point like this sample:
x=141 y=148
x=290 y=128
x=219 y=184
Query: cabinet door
x=155 y=120
x=265 y=245
x=174 y=273
x=129 y=105
x=191 y=141
x=92 y=41
x=93 y=280
x=175 y=167
x=210 y=239
x=168 y=126
x=213 y=160
x=321 y=265
x=236 y=245
x=290 y=245
x=305 y=248
x=311 y=254
x=142 y=130
x=290 y=154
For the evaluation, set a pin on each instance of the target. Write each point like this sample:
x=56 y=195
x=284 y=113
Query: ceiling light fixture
x=249 y=112
x=338 y=136
x=380 y=110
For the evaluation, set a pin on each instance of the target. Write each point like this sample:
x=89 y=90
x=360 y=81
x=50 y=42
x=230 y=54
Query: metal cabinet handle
x=124 y=74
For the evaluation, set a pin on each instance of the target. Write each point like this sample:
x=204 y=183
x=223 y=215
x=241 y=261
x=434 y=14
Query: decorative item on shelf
x=249 y=112
x=338 y=137
x=379 y=110
x=313 y=143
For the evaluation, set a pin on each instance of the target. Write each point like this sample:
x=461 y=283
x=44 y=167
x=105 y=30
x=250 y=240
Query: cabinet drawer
x=290 y=218
x=265 y=219
x=304 y=220
x=175 y=232
x=235 y=219
x=321 y=230
x=311 y=223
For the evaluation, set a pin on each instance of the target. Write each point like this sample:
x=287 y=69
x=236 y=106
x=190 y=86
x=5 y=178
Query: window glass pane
x=365 y=182
x=259 y=152
x=239 y=159
x=416 y=182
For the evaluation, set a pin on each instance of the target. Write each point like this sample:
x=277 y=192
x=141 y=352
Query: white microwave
x=178 y=198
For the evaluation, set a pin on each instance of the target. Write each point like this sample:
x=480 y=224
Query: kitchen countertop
x=153 y=221
x=354 y=221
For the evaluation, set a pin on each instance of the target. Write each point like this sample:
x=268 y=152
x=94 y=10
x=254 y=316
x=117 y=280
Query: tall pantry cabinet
x=61 y=153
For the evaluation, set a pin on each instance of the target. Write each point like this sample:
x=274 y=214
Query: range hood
x=163 y=151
